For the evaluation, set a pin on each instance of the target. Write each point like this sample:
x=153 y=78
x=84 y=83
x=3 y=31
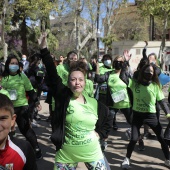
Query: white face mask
x=108 y=63
x=99 y=60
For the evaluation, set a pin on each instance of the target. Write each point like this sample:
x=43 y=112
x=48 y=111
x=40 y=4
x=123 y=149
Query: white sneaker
x=126 y=163
x=34 y=124
x=167 y=163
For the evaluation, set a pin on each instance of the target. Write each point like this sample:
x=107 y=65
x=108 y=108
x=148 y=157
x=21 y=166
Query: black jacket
x=124 y=76
x=62 y=95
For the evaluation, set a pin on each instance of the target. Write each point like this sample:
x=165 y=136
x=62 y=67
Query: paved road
x=151 y=158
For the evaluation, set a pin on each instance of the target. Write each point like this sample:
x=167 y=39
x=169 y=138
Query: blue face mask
x=40 y=65
x=23 y=59
x=108 y=63
x=13 y=68
x=99 y=60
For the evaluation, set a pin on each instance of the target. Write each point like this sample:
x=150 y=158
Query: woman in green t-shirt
x=117 y=97
x=146 y=92
x=80 y=120
x=17 y=84
x=100 y=93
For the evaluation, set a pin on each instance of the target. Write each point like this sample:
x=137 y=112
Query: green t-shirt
x=63 y=71
x=89 y=88
x=119 y=92
x=17 y=86
x=90 y=66
x=5 y=92
x=103 y=70
x=81 y=143
x=100 y=64
x=145 y=97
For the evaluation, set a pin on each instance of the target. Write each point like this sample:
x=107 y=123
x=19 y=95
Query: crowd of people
x=80 y=115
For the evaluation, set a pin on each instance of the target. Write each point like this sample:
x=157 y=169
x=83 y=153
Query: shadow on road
x=151 y=158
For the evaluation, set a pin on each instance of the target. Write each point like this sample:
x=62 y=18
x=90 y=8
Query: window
x=137 y=51
x=116 y=51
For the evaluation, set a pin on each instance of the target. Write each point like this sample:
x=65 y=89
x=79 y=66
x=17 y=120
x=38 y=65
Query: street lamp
x=98 y=35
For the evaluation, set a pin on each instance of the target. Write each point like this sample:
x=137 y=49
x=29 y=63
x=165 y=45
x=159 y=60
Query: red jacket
x=18 y=155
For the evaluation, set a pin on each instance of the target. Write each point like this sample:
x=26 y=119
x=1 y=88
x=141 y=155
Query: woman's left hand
x=127 y=55
x=97 y=134
x=39 y=107
x=42 y=40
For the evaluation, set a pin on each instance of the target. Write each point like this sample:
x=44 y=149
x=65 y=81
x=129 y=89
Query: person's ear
x=13 y=120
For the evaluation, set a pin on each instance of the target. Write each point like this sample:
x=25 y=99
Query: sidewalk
x=151 y=158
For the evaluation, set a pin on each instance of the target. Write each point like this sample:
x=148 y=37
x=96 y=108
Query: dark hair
x=156 y=58
x=6 y=70
x=71 y=52
x=153 y=55
x=154 y=77
x=6 y=104
x=78 y=66
x=106 y=56
x=142 y=63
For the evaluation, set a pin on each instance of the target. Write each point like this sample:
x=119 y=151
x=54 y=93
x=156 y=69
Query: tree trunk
x=109 y=26
x=5 y=46
x=24 y=37
x=163 y=42
x=77 y=33
x=98 y=38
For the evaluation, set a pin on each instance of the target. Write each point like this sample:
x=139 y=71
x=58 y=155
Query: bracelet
x=168 y=115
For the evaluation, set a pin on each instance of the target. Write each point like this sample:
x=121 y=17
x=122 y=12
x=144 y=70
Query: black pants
x=169 y=97
x=126 y=111
x=23 y=123
x=152 y=121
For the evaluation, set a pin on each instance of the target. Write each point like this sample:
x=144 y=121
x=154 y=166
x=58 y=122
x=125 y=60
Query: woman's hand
x=39 y=107
x=97 y=66
x=146 y=43
x=97 y=134
x=127 y=55
x=42 y=41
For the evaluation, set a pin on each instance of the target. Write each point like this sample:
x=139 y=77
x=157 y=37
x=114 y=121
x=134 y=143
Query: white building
x=136 y=47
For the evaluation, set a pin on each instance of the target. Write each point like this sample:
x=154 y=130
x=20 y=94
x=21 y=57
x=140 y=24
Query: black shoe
x=103 y=145
x=38 y=153
x=141 y=146
x=115 y=127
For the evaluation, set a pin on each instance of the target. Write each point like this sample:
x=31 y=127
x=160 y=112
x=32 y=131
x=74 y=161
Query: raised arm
x=144 y=51
x=54 y=79
x=100 y=78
